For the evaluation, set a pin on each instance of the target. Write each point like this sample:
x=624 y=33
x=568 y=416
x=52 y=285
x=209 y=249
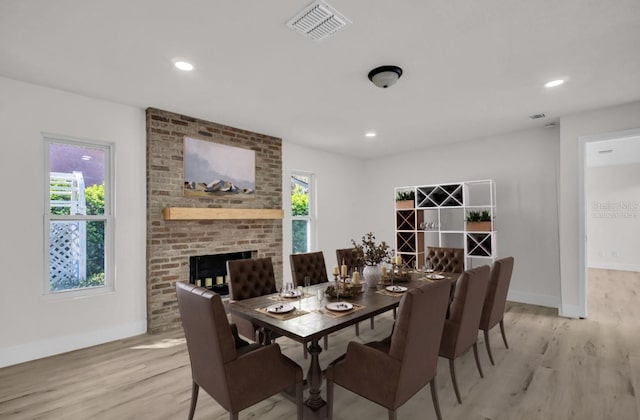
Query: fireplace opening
x=210 y=271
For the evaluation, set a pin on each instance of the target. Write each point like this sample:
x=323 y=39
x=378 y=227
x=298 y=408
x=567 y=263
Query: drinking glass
x=287 y=288
x=307 y=283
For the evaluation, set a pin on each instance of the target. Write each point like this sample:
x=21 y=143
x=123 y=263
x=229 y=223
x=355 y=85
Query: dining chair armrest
x=372 y=365
x=266 y=366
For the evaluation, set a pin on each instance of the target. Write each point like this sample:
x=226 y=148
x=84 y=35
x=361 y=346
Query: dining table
x=302 y=317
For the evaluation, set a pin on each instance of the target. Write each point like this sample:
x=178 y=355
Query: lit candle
x=199 y=283
x=384 y=271
x=398 y=260
x=219 y=279
x=208 y=282
x=356 y=277
x=336 y=271
x=343 y=270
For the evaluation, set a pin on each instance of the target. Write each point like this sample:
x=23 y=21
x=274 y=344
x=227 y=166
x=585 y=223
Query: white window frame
x=107 y=217
x=311 y=224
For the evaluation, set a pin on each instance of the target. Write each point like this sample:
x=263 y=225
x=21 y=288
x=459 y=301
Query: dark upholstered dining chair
x=391 y=371
x=236 y=374
x=249 y=278
x=448 y=260
x=461 y=328
x=349 y=257
x=495 y=301
x=309 y=264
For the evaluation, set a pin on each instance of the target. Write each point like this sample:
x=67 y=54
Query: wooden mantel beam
x=201 y=213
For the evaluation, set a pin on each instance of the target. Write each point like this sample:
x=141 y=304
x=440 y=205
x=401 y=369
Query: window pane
x=300 y=236
x=76 y=253
x=299 y=195
x=76 y=188
x=76 y=171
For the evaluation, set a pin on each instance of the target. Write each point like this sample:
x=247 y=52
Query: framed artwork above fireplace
x=214 y=170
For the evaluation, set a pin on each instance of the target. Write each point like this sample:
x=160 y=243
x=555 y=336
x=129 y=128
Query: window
x=78 y=219
x=301 y=214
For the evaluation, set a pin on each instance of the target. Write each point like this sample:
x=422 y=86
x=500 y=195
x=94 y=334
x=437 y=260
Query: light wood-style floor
x=556 y=368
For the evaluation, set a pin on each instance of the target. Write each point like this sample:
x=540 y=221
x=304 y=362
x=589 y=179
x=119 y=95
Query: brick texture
x=171 y=243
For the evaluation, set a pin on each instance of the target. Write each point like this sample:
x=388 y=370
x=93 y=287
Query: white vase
x=371 y=274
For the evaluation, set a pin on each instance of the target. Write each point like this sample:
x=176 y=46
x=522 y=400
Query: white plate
x=396 y=289
x=435 y=276
x=280 y=308
x=292 y=293
x=339 y=306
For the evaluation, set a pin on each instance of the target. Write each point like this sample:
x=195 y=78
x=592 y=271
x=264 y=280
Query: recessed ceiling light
x=554 y=83
x=183 y=65
x=370 y=134
x=86 y=157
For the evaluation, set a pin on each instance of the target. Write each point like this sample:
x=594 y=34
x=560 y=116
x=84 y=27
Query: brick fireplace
x=170 y=243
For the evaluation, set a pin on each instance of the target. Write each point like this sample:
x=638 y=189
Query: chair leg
x=326 y=342
x=393 y=415
x=452 y=369
x=194 y=399
x=305 y=352
x=372 y=324
x=475 y=354
x=504 y=337
x=434 y=397
x=329 y=400
x=358 y=329
x=233 y=416
x=299 y=403
x=486 y=343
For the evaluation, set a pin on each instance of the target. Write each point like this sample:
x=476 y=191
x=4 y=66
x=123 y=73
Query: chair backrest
x=209 y=338
x=415 y=340
x=449 y=260
x=496 y=298
x=349 y=257
x=310 y=264
x=466 y=309
x=250 y=278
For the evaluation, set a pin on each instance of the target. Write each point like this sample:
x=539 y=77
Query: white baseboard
x=614 y=266
x=56 y=345
x=534 y=299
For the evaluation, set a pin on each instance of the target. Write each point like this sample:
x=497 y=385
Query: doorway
x=609 y=216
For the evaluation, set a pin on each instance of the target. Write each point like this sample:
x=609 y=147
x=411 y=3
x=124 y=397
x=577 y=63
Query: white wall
x=524 y=165
x=32 y=325
x=617 y=118
x=613 y=217
x=341 y=203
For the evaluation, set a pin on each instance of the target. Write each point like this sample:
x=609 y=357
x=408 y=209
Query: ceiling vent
x=318 y=21
x=536 y=116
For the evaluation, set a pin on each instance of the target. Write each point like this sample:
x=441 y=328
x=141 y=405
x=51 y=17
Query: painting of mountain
x=212 y=169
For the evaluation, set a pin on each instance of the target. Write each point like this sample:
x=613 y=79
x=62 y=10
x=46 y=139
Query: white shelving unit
x=438 y=219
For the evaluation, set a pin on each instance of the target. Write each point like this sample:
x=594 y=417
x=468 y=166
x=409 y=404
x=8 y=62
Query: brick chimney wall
x=171 y=243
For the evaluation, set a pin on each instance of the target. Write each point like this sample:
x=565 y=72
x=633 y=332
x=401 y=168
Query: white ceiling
x=471 y=68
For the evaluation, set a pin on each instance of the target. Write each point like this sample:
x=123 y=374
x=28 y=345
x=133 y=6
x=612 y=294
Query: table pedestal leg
x=315 y=406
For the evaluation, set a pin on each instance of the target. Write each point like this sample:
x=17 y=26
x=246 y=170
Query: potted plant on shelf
x=479 y=221
x=371 y=254
x=405 y=199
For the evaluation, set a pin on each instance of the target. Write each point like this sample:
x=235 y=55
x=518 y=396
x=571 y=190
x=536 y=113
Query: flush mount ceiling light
x=385 y=76
x=183 y=65
x=554 y=83
x=370 y=134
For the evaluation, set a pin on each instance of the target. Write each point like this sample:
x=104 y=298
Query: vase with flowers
x=371 y=255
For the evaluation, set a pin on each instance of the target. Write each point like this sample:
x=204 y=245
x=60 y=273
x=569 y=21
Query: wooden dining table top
x=316 y=323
